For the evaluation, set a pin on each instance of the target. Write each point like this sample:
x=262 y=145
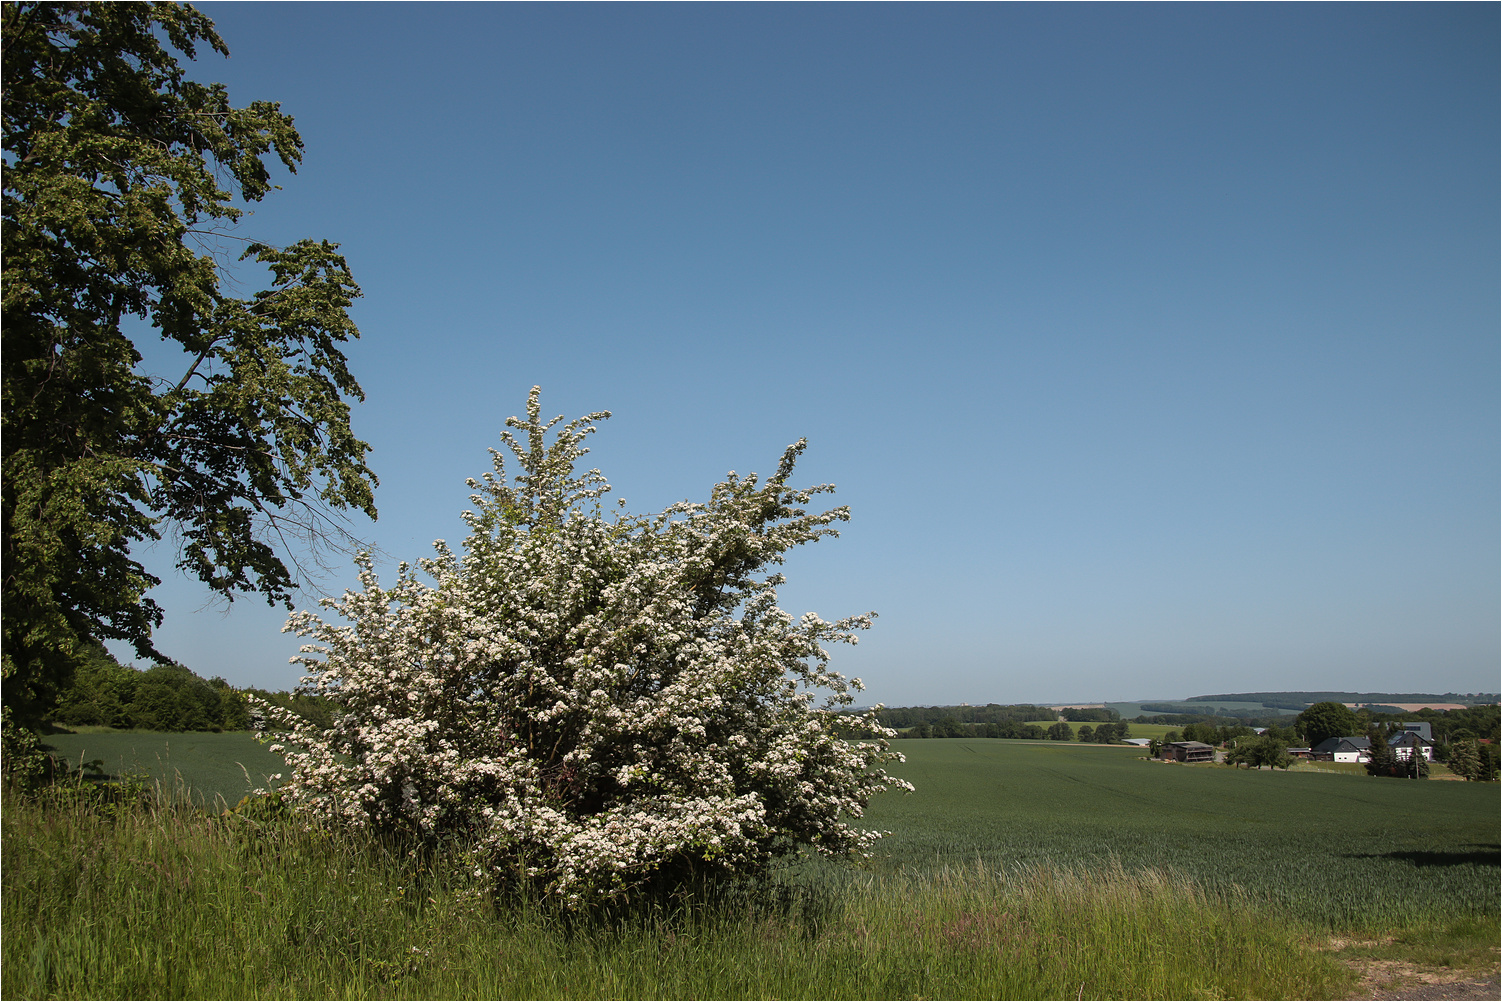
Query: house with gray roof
x=1351 y=749
x=1404 y=743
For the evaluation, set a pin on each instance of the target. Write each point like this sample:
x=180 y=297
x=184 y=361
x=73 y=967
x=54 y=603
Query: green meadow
x=1017 y=870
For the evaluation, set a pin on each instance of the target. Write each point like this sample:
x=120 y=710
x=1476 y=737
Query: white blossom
x=592 y=702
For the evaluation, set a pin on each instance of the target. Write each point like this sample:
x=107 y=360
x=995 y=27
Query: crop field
x=215 y=767
x=1158 y=731
x=1333 y=849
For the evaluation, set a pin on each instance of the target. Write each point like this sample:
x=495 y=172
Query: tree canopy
x=1326 y=720
x=123 y=179
x=165 y=697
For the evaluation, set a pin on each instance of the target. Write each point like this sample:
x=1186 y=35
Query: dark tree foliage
x=1380 y=758
x=165 y=697
x=989 y=721
x=121 y=180
x=991 y=713
x=1457 y=725
x=1112 y=733
x=1327 y=720
x=1092 y=714
x=1256 y=752
x=1473 y=760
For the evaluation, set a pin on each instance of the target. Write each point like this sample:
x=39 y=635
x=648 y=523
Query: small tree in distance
x=1464 y=759
x=1471 y=759
x=594 y=705
x=1271 y=751
x=1380 y=758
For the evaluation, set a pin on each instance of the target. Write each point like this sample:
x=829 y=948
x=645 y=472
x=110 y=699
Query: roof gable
x=1347 y=744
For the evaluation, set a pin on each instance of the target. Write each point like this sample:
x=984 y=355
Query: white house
x=1342 y=750
x=1403 y=745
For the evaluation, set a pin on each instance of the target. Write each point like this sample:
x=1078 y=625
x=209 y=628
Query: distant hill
x=1299 y=700
x=1242 y=709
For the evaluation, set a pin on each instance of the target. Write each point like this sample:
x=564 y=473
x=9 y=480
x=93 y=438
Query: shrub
x=595 y=705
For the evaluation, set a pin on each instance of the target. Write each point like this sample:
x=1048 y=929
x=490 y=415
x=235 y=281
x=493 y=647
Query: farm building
x=1187 y=751
x=1342 y=750
x=1403 y=745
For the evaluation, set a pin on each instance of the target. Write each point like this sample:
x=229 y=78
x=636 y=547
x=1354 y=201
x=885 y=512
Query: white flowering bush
x=591 y=704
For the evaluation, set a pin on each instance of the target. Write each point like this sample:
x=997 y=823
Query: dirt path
x=1394 y=980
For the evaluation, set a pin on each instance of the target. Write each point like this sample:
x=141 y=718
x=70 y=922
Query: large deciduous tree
x=1326 y=720
x=123 y=179
x=593 y=704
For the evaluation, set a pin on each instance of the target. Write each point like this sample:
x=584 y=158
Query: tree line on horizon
x=167 y=697
x=1023 y=721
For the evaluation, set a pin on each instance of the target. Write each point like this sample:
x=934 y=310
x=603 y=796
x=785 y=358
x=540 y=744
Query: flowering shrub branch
x=595 y=703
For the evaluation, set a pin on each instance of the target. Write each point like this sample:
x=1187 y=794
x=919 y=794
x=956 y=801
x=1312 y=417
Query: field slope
x=1333 y=849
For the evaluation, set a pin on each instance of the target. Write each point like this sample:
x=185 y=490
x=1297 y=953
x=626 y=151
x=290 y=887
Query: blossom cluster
x=593 y=703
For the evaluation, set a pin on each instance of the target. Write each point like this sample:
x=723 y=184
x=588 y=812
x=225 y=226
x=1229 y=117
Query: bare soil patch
x=1384 y=979
x=1412 y=982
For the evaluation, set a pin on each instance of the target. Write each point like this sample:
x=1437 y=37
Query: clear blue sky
x=1155 y=349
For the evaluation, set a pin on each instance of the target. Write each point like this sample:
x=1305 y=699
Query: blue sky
x=1155 y=349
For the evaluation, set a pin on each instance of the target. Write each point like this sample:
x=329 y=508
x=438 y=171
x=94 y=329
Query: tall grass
x=169 y=901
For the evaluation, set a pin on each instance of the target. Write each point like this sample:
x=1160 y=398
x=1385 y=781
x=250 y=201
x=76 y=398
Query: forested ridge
x=1301 y=699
